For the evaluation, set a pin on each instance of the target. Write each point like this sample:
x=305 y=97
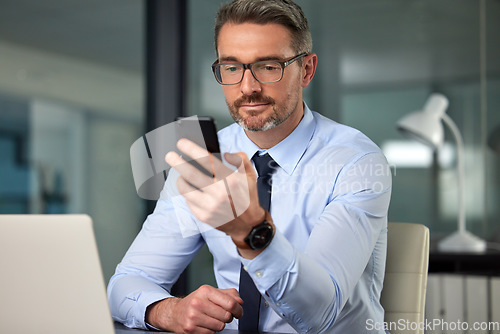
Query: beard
x=252 y=122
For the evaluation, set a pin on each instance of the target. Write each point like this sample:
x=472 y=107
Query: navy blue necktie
x=265 y=166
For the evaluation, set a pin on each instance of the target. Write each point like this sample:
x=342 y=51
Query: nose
x=249 y=85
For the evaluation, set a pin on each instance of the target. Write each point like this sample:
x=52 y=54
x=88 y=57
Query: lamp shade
x=425 y=125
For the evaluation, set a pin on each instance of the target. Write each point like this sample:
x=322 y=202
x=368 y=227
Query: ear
x=308 y=68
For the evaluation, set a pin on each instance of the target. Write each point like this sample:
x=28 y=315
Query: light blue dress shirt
x=322 y=273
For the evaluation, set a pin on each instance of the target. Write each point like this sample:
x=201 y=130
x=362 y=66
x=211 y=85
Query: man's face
x=260 y=106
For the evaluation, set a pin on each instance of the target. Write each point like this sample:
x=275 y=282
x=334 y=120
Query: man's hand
x=227 y=201
x=206 y=310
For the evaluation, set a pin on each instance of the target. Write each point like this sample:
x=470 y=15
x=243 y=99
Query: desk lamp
x=425 y=126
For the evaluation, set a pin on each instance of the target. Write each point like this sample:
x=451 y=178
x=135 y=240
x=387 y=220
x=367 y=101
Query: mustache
x=254 y=98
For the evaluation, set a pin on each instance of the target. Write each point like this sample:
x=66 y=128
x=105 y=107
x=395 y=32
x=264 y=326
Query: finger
x=215 y=317
x=235 y=159
x=234 y=293
x=207 y=160
x=189 y=147
x=241 y=185
x=196 y=312
x=227 y=302
x=188 y=171
x=207 y=323
x=207 y=314
x=185 y=187
x=211 y=206
x=240 y=160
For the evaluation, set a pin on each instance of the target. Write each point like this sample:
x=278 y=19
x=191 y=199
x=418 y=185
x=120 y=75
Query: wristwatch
x=261 y=235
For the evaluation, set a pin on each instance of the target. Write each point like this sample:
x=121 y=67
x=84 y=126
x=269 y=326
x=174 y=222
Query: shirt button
x=278 y=304
x=259 y=273
x=266 y=304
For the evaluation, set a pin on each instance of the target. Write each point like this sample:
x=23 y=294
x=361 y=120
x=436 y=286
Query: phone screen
x=189 y=128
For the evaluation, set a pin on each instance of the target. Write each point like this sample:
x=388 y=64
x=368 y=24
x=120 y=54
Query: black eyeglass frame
x=250 y=65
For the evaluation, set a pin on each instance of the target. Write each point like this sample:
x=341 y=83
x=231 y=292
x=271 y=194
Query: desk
x=486 y=264
x=463 y=286
x=121 y=329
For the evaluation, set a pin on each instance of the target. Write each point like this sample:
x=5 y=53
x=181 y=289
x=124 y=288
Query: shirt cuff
x=272 y=264
x=146 y=300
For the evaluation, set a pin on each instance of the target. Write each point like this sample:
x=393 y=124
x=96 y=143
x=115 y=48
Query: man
x=320 y=267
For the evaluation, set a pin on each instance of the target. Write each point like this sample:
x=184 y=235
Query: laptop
x=51 y=279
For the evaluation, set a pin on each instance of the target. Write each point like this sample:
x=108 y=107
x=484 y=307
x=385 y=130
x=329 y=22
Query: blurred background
x=73 y=99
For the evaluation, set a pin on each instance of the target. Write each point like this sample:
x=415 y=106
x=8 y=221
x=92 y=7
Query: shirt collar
x=288 y=152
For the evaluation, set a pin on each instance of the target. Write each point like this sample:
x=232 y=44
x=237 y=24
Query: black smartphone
x=189 y=128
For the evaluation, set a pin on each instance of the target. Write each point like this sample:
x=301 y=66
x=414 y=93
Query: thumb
x=240 y=160
x=235 y=159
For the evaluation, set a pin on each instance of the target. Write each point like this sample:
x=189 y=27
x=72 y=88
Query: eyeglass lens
x=265 y=71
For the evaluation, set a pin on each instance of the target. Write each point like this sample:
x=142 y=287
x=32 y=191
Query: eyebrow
x=235 y=60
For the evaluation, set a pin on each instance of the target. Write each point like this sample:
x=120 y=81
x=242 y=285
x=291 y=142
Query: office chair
x=405 y=283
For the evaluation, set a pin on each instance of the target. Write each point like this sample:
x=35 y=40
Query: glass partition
x=71 y=104
x=378 y=61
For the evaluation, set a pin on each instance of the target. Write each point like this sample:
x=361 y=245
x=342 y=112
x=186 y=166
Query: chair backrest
x=405 y=283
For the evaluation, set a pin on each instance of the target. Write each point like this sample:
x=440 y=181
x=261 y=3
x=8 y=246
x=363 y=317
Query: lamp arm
x=460 y=169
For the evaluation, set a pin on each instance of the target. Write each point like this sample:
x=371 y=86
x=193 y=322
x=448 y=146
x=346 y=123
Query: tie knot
x=264 y=164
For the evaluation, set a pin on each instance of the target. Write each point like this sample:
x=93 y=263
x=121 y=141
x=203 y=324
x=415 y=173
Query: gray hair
x=284 y=12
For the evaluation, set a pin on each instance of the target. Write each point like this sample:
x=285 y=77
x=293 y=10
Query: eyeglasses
x=266 y=71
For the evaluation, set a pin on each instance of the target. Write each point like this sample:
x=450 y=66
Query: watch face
x=260 y=236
